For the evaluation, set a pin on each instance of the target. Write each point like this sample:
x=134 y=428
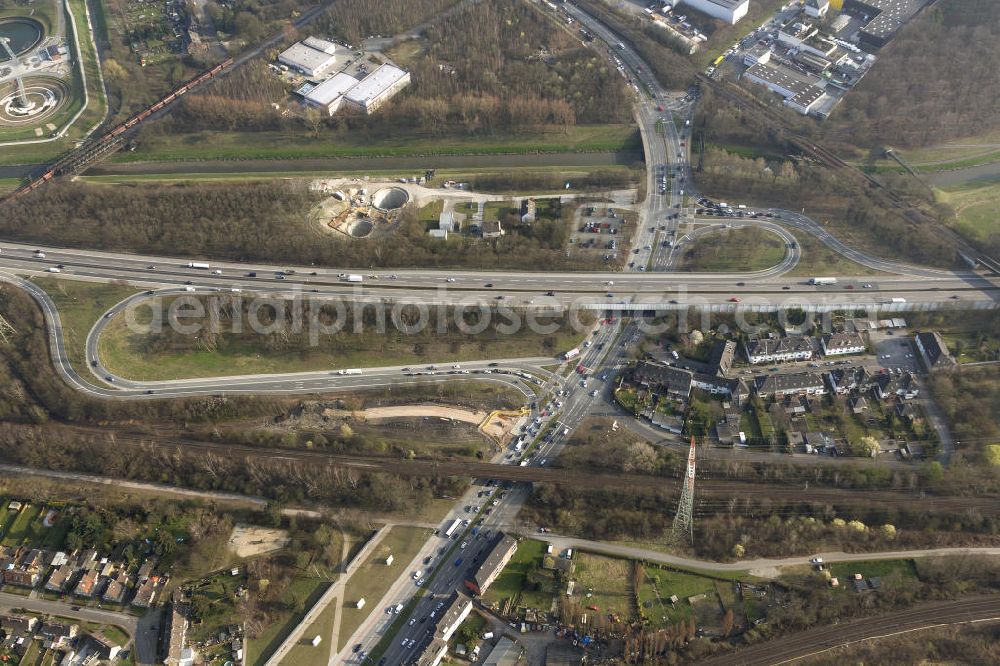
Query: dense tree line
x=747 y=161
x=515 y=71
x=354 y=20
x=266 y=221
x=762 y=527
x=667 y=56
x=936 y=80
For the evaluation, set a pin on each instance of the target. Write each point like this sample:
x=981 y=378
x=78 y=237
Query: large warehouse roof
x=320 y=45
x=305 y=58
x=331 y=89
x=375 y=83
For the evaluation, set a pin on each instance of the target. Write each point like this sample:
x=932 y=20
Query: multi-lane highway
x=499 y=288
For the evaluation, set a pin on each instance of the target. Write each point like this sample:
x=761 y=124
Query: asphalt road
x=823 y=639
x=517 y=289
x=141 y=628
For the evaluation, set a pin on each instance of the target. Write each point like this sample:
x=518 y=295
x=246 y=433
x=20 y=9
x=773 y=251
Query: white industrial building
x=800 y=93
x=329 y=95
x=306 y=59
x=320 y=45
x=816 y=8
x=377 y=88
x=729 y=11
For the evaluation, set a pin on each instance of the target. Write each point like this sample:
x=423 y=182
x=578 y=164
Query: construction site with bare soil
x=359 y=211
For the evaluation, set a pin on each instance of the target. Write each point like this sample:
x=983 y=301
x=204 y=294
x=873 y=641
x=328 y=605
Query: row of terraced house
x=81 y=574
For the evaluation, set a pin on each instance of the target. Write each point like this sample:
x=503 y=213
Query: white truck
x=451 y=529
x=198 y=264
x=822 y=280
x=898 y=300
x=351 y=371
x=572 y=353
x=353 y=278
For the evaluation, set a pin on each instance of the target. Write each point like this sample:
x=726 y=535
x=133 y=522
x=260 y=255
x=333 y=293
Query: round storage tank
x=390 y=198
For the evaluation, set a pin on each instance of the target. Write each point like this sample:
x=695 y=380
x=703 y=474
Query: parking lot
x=894 y=349
x=603 y=231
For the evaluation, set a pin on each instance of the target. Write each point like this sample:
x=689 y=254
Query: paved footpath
x=764 y=567
x=331 y=595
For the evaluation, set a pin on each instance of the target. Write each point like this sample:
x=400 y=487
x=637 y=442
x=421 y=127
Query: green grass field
x=670 y=582
x=128 y=354
x=956 y=154
x=23 y=529
x=881 y=568
x=300 y=596
x=373 y=579
x=818 y=259
x=511 y=582
x=604 y=582
x=80 y=305
x=737 y=250
x=975 y=206
x=303 y=653
x=294 y=145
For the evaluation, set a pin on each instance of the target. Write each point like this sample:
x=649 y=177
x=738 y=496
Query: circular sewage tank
x=390 y=198
x=23 y=33
x=360 y=227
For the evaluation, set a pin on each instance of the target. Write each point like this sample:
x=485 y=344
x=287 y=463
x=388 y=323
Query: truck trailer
x=352 y=278
x=822 y=280
x=451 y=529
x=198 y=264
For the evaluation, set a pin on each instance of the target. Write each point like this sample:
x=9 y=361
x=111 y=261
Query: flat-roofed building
x=885 y=18
x=320 y=45
x=494 y=563
x=329 y=95
x=729 y=11
x=801 y=93
x=377 y=88
x=453 y=616
x=309 y=61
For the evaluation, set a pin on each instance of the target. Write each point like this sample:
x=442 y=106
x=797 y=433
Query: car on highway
x=489 y=285
x=734 y=300
x=450 y=280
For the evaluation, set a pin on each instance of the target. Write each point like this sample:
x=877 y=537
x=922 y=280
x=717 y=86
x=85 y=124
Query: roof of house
x=935 y=349
x=771 y=346
x=721 y=356
x=843 y=340
x=672 y=379
x=491 y=227
x=784 y=383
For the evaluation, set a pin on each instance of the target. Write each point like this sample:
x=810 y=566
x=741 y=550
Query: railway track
x=823 y=639
x=711 y=492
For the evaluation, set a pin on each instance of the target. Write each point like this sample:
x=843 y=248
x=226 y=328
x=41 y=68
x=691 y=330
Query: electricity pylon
x=684 y=520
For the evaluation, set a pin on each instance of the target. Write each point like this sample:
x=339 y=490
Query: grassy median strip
x=374 y=578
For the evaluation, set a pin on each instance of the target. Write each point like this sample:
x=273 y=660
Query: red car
x=734 y=300
x=659 y=107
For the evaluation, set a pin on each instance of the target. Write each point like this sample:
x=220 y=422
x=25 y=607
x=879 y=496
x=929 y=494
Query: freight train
x=101 y=143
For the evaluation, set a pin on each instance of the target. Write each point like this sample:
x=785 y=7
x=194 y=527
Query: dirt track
x=404 y=411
